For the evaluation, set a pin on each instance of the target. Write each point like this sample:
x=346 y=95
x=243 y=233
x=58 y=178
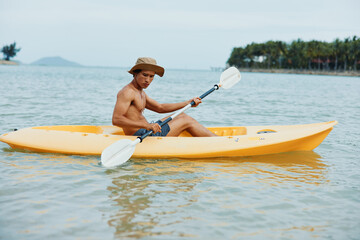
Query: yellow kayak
x=232 y=141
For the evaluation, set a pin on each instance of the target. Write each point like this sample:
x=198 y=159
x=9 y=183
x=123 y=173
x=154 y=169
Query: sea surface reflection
x=152 y=197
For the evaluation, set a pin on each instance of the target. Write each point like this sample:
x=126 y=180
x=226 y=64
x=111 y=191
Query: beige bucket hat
x=147 y=63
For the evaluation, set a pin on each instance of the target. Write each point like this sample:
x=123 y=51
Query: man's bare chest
x=139 y=101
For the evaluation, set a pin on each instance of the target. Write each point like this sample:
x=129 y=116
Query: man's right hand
x=155 y=127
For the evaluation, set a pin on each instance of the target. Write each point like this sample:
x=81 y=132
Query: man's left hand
x=197 y=101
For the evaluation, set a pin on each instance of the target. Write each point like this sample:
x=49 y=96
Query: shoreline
x=263 y=70
x=5 y=62
x=298 y=71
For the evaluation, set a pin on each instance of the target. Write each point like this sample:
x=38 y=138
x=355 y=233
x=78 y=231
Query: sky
x=186 y=34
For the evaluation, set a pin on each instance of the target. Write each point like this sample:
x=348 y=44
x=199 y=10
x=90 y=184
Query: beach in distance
x=296 y=195
x=5 y=62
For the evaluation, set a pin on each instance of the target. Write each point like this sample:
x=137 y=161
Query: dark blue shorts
x=164 y=131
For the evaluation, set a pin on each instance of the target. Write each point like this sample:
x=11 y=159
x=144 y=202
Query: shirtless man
x=132 y=100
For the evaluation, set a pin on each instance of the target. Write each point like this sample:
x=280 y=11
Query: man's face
x=144 y=78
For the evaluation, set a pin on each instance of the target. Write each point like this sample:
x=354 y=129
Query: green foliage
x=316 y=55
x=10 y=51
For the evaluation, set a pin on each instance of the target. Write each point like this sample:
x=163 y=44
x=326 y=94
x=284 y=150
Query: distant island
x=55 y=61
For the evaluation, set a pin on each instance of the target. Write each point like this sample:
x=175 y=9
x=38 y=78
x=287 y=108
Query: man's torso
x=136 y=108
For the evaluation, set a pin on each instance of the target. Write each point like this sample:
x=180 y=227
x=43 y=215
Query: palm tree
x=310 y=52
x=346 y=52
x=292 y=54
x=336 y=47
x=10 y=51
x=325 y=52
x=297 y=54
x=272 y=52
x=281 y=50
x=238 y=57
x=355 y=51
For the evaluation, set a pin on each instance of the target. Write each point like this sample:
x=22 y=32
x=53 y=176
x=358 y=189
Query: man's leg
x=185 y=122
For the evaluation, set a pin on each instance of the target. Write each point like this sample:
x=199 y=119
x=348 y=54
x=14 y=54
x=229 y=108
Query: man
x=132 y=100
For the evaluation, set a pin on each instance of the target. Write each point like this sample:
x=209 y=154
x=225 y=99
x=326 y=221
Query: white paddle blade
x=118 y=152
x=230 y=77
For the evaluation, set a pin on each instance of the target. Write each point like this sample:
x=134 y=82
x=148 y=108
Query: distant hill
x=55 y=61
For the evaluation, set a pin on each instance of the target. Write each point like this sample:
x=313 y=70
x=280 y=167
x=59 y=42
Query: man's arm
x=153 y=105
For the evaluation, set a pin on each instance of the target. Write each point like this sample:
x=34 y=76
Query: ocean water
x=299 y=195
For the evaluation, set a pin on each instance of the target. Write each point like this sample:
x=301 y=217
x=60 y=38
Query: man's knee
x=185 y=117
x=187 y=120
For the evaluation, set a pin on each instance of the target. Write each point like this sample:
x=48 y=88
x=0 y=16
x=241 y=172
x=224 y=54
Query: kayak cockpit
x=221 y=131
x=113 y=130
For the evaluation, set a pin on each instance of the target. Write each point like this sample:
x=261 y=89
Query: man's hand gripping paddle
x=122 y=150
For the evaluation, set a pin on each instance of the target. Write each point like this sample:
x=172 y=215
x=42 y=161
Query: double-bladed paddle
x=121 y=151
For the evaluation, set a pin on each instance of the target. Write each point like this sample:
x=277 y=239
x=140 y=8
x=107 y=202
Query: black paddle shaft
x=216 y=87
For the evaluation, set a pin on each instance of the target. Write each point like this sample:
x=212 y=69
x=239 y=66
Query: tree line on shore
x=339 y=55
